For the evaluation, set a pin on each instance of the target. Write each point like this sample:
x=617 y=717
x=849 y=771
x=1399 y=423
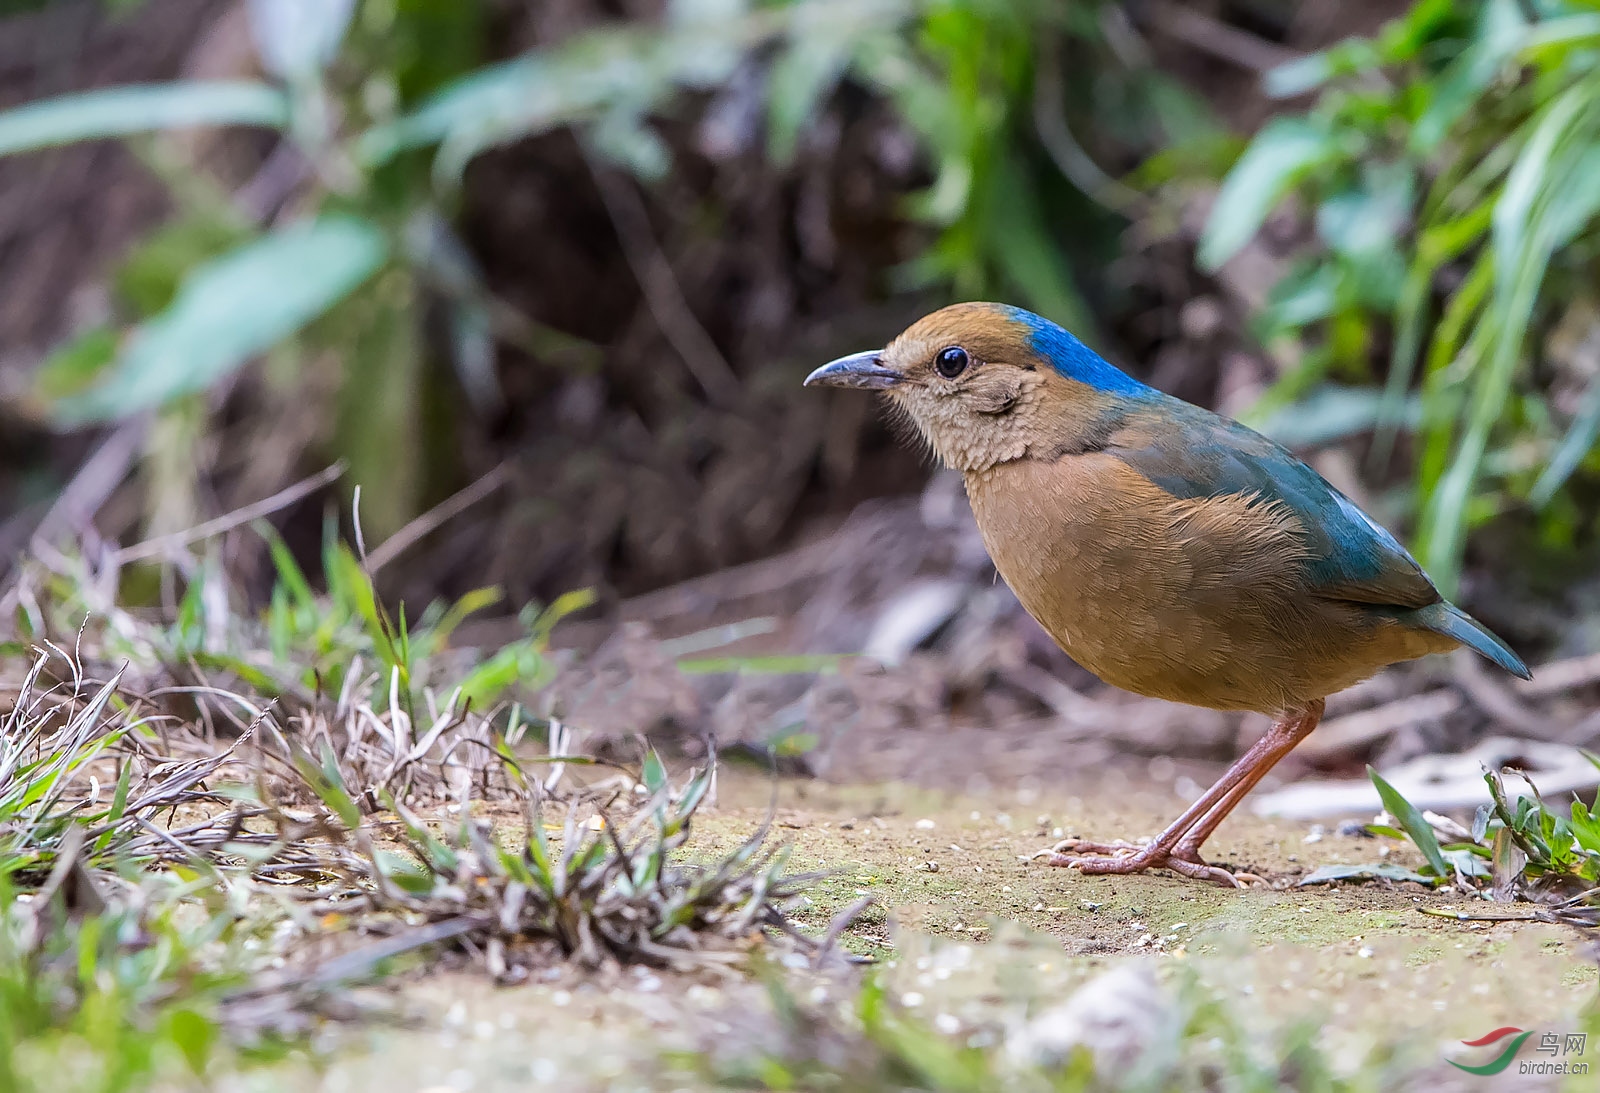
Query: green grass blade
x=123 y=111
x=232 y=308
x=1420 y=830
x=1576 y=444
x=1282 y=153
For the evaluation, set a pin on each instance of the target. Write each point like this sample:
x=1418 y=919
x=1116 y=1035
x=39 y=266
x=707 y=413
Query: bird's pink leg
x=1178 y=847
x=1299 y=728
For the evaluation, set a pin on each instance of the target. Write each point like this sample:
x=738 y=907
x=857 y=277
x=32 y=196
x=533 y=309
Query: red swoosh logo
x=1497 y=1034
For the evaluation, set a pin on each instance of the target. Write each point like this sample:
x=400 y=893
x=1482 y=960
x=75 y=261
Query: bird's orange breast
x=1196 y=600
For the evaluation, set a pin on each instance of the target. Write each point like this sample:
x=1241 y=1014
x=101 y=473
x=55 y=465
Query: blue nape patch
x=1070 y=357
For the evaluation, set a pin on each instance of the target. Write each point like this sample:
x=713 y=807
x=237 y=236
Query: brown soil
x=975 y=936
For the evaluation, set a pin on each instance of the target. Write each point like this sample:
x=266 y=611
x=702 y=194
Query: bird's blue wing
x=1192 y=453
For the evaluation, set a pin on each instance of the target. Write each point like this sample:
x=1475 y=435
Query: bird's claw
x=1126 y=858
x=1084 y=846
x=1215 y=873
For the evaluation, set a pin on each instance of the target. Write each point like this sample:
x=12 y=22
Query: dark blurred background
x=545 y=276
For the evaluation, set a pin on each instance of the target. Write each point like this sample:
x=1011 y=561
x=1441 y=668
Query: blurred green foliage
x=1446 y=170
x=1448 y=167
x=105 y=1002
x=387 y=103
x=305 y=641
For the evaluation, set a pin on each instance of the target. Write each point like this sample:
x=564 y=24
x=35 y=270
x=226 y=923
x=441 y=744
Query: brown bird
x=1169 y=550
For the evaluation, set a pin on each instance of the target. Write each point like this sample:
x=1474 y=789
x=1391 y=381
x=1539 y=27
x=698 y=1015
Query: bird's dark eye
x=951 y=362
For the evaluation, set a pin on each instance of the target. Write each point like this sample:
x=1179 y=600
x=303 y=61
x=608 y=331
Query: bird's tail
x=1449 y=620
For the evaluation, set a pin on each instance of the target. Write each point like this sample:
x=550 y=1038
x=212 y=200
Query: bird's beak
x=856 y=370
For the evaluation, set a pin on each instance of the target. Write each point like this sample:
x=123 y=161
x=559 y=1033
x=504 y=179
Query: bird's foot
x=1123 y=858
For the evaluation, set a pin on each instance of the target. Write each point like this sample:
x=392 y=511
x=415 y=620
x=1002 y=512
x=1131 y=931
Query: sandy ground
x=974 y=935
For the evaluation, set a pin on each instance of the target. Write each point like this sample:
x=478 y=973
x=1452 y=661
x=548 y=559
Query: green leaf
x=477 y=600
x=119 y=804
x=1331 y=413
x=74 y=365
x=1299 y=76
x=1420 y=830
x=696 y=790
x=328 y=784
x=585 y=78
x=1369 y=218
x=1380 y=871
x=567 y=603
x=1551 y=39
x=1499 y=35
x=1557 y=142
x=1283 y=153
x=435 y=852
x=1438 y=243
x=792 y=741
x=153 y=272
x=298 y=38
x=1029 y=260
x=403 y=872
x=1574 y=446
x=194 y=1035
x=1585 y=827
x=1306 y=295
x=1550 y=191
x=654 y=773
x=231 y=309
x=1480 y=822
x=344 y=572
x=623 y=137
x=801 y=77
x=1307 y=73
x=290 y=577
x=484 y=685
x=121 y=111
x=1469 y=862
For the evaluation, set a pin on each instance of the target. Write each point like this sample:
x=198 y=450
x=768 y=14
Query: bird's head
x=989 y=383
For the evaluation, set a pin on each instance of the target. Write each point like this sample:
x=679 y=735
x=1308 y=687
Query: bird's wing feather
x=1193 y=453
